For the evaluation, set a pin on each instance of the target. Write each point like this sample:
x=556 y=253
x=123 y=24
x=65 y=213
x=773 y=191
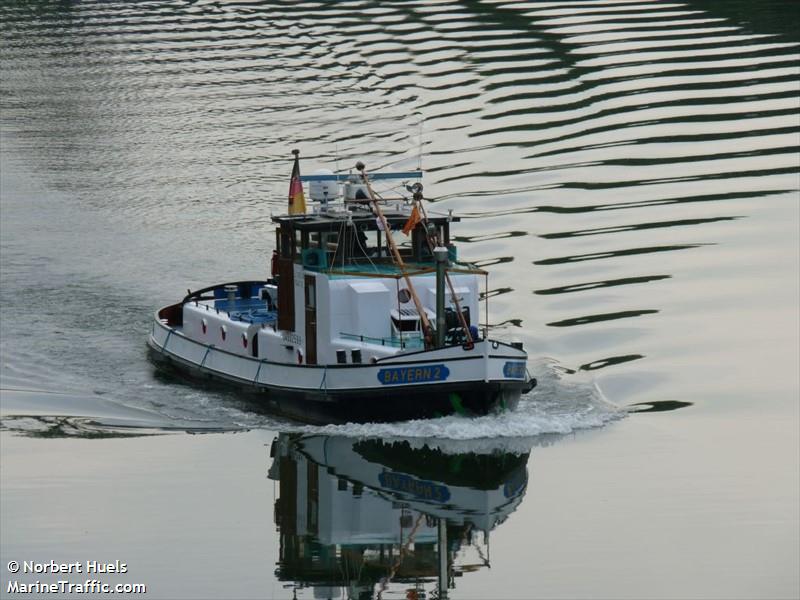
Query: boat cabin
x=339 y=293
x=349 y=243
x=339 y=285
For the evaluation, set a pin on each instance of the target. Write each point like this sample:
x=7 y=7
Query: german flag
x=297 y=201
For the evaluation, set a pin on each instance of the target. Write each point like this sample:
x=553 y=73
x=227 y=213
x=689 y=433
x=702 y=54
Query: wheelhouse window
x=406 y=320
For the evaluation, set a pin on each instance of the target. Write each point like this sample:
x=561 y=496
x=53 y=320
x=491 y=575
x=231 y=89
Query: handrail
x=197 y=293
x=375 y=176
x=393 y=342
x=378 y=274
x=425 y=271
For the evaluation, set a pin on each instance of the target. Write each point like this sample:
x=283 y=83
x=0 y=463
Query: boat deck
x=248 y=310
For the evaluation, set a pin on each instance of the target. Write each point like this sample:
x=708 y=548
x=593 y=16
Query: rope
x=205 y=356
x=339 y=242
x=258 y=371
x=166 y=341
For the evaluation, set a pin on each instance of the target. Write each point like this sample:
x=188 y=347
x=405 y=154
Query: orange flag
x=297 y=201
x=412 y=220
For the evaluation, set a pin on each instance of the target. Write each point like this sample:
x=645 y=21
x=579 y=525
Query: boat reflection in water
x=358 y=515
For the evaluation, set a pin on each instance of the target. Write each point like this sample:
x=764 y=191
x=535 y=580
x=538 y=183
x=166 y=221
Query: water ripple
x=540 y=123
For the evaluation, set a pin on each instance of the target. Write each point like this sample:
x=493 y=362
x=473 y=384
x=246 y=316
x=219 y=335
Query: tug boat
x=352 y=326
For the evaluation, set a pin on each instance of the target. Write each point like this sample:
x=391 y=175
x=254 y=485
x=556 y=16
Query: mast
x=426 y=325
x=432 y=244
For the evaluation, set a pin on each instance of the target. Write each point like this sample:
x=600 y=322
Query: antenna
x=419 y=155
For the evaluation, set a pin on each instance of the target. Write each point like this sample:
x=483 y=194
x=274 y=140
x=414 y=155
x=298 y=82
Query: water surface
x=627 y=171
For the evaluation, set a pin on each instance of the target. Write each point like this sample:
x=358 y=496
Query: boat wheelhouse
x=354 y=324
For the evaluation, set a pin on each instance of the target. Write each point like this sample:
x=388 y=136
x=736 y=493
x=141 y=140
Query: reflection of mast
x=444 y=575
x=385 y=581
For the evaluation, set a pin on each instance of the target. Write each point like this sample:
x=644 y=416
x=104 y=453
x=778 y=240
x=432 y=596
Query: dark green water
x=627 y=171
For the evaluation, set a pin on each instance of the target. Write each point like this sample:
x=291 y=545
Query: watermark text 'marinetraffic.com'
x=65 y=586
x=90 y=586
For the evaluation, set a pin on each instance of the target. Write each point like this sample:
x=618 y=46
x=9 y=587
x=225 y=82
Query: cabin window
x=406 y=325
x=330 y=240
x=365 y=242
x=311 y=296
x=369 y=243
x=420 y=248
x=406 y=320
x=321 y=239
x=286 y=244
x=330 y=243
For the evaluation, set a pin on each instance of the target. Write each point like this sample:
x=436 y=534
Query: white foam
x=561 y=403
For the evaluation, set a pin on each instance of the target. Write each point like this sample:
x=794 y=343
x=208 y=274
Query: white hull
x=459 y=375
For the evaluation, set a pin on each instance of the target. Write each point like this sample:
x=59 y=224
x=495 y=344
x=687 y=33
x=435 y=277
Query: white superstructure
x=357 y=322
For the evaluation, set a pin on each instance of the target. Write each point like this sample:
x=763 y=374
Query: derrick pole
x=426 y=325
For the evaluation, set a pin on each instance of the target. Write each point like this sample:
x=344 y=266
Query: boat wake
x=561 y=403
x=558 y=405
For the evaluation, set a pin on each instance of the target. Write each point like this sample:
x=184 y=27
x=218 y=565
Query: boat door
x=287 y=245
x=311 y=320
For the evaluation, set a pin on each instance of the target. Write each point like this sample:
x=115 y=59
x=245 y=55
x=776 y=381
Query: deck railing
x=409 y=341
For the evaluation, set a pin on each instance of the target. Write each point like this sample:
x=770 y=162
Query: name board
x=514 y=370
x=291 y=338
x=425 y=490
x=421 y=374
